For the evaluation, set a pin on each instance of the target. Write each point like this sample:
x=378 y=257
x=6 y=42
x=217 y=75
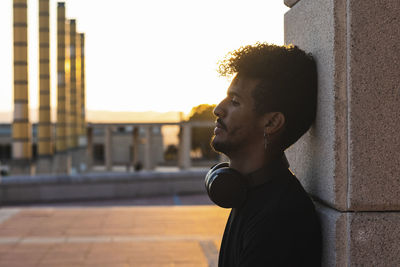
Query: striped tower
x=61 y=104
x=68 y=87
x=83 y=132
x=61 y=159
x=45 y=150
x=76 y=153
x=74 y=94
x=83 y=91
x=78 y=88
x=73 y=141
x=21 y=128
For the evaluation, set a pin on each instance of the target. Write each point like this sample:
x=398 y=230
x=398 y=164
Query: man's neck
x=249 y=162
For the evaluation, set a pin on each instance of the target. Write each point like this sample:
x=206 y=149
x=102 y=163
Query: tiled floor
x=111 y=235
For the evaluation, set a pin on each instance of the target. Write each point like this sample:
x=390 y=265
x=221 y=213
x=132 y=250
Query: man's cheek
x=234 y=131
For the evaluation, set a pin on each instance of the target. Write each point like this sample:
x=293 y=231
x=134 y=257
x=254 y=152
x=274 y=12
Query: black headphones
x=228 y=188
x=225 y=186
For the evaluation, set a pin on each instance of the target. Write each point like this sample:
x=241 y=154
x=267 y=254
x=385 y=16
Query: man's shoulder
x=281 y=209
x=283 y=195
x=284 y=187
x=278 y=220
x=295 y=194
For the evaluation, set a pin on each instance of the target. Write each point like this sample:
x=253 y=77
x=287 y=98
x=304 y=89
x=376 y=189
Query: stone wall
x=350 y=159
x=98 y=186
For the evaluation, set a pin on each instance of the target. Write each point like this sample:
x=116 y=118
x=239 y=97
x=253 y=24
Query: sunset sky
x=152 y=55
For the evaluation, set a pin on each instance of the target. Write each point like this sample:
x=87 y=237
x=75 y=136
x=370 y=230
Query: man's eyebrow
x=232 y=93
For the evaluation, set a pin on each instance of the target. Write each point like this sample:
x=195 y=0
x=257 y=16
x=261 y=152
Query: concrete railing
x=98 y=186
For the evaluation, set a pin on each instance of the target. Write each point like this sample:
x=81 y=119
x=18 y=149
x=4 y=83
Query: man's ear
x=274 y=122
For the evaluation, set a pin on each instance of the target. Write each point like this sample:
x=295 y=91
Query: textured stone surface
x=19 y=194
x=47 y=188
x=374 y=238
x=350 y=159
x=334 y=236
x=67 y=192
x=360 y=238
x=319 y=158
x=290 y=3
x=332 y=225
x=374 y=105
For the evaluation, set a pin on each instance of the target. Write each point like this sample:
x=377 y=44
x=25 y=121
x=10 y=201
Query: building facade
x=122 y=144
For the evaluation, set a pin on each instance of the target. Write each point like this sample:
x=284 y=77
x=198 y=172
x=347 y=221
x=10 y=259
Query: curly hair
x=288 y=84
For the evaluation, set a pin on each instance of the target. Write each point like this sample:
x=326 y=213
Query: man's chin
x=219 y=145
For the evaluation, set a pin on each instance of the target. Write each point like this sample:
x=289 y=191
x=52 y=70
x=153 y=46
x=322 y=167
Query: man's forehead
x=241 y=85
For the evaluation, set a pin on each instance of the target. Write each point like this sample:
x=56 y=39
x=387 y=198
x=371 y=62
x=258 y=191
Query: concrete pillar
x=157 y=140
x=73 y=88
x=21 y=128
x=108 y=148
x=135 y=147
x=89 y=151
x=61 y=158
x=69 y=132
x=82 y=107
x=78 y=152
x=45 y=148
x=61 y=127
x=185 y=143
x=147 y=158
x=77 y=126
x=78 y=95
x=350 y=159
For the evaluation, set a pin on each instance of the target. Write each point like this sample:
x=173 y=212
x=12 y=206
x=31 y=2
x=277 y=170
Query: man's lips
x=219 y=126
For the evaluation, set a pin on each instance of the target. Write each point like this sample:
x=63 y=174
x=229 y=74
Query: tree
x=171 y=153
x=203 y=112
x=201 y=136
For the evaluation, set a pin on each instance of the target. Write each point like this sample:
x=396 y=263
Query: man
x=270 y=104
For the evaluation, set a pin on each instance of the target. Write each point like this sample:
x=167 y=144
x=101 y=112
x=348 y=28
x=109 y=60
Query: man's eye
x=234 y=102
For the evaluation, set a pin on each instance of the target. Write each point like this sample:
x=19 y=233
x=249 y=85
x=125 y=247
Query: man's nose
x=219 y=110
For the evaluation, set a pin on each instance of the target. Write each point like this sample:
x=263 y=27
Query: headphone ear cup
x=226 y=187
x=211 y=175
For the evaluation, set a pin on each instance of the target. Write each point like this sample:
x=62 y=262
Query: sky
x=152 y=55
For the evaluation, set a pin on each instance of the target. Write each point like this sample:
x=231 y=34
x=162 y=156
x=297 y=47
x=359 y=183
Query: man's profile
x=270 y=104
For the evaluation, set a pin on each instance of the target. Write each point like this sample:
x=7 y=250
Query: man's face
x=238 y=128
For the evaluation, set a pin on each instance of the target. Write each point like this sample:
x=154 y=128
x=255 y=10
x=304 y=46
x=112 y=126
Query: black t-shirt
x=276 y=226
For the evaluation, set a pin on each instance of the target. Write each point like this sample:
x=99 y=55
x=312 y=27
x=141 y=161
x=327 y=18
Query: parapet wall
x=53 y=188
x=350 y=159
